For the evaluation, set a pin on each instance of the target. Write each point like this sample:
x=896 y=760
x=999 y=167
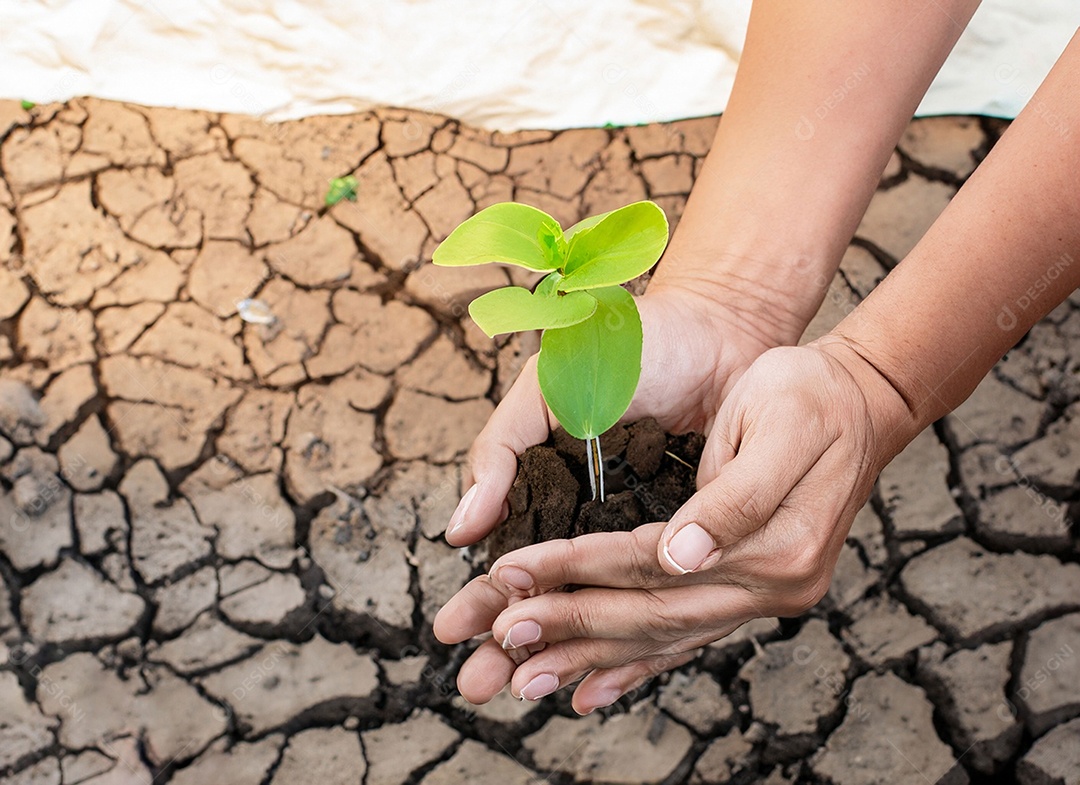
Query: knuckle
x=576 y=618
x=802 y=571
x=663 y=626
x=738 y=515
x=637 y=650
x=804 y=579
x=656 y=622
x=571 y=661
x=804 y=594
x=805 y=563
x=809 y=595
x=567 y=555
x=642 y=561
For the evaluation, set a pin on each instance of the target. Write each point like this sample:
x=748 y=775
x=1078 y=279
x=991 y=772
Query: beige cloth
x=509 y=64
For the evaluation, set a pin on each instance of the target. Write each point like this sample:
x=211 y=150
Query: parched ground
x=220 y=541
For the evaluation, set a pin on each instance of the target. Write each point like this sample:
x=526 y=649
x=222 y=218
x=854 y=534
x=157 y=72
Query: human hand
x=794 y=450
x=696 y=345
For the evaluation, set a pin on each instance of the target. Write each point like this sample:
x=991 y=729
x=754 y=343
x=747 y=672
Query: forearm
x=822 y=95
x=1003 y=254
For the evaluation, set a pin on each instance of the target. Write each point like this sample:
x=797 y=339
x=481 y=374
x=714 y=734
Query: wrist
x=772 y=294
x=895 y=422
x=758 y=247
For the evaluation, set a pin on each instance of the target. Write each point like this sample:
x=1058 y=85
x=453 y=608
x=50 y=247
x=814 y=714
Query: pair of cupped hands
x=796 y=437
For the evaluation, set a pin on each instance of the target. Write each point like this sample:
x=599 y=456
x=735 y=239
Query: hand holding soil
x=760 y=538
x=694 y=349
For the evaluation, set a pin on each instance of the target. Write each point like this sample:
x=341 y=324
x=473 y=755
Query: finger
x=718 y=451
x=521 y=420
x=485 y=673
x=746 y=492
x=471 y=611
x=661 y=616
x=566 y=662
x=521 y=653
x=610 y=559
x=604 y=686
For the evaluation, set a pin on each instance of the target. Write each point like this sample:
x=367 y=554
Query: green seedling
x=590 y=351
x=341 y=188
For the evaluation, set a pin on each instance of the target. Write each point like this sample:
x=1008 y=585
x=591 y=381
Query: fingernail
x=458 y=517
x=522 y=634
x=544 y=684
x=515 y=578
x=688 y=548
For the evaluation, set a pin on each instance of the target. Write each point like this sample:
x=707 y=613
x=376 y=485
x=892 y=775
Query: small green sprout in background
x=27 y=105
x=341 y=188
x=590 y=351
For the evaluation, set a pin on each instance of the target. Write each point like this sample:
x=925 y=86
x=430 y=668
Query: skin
x=796 y=436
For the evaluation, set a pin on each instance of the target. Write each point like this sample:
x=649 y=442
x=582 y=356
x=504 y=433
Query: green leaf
x=619 y=247
x=548 y=286
x=513 y=309
x=27 y=105
x=508 y=232
x=589 y=371
x=341 y=188
x=586 y=224
x=553 y=244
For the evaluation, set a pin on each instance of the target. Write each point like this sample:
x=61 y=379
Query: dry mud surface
x=220 y=542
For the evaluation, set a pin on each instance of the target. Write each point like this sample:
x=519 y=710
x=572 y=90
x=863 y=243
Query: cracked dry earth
x=220 y=542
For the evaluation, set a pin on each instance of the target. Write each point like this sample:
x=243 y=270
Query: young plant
x=341 y=188
x=590 y=351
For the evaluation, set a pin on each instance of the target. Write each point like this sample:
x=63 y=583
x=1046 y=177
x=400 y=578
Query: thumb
x=746 y=492
x=521 y=420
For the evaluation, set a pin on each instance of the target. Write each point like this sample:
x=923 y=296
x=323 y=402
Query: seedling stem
x=596 y=467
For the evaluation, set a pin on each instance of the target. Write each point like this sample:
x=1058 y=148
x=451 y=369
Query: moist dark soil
x=648 y=475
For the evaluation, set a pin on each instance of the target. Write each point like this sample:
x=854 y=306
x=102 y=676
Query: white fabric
x=504 y=64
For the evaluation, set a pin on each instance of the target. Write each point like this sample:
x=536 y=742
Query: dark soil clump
x=648 y=475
